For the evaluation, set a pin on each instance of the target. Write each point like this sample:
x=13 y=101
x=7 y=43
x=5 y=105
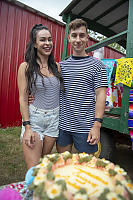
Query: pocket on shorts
x=36 y=119
x=54 y=121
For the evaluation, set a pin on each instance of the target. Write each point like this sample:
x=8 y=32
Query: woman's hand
x=29 y=138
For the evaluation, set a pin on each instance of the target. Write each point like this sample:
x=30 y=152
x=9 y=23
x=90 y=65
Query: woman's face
x=44 y=43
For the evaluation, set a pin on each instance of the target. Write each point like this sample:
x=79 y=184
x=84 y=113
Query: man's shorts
x=79 y=140
x=44 y=122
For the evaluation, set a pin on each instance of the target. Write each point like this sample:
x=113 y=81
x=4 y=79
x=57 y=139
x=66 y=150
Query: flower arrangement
x=46 y=186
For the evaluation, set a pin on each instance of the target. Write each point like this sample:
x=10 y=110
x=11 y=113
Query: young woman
x=40 y=76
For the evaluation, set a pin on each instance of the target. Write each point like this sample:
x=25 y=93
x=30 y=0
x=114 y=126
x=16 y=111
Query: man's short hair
x=77 y=23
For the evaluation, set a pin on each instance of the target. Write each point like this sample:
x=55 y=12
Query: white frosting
x=80 y=176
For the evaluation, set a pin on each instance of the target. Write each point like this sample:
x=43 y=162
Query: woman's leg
x=32 y=156
x=48 y=144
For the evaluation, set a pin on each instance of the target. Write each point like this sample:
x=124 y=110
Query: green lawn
x=12 y=165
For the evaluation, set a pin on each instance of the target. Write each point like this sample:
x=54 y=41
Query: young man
x=83 y=102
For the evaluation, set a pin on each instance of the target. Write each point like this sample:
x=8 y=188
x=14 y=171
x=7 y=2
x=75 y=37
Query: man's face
x=78 y=39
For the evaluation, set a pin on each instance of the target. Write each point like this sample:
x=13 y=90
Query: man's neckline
x=79 y=57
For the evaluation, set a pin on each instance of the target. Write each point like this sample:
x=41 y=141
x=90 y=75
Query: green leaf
x=55 y=158
x=49 y=166
x=66 y=157
x=82 y=191
x=100 y=163
x=112 y=172
x=62 y=183
x=39 y=189
x=85 y=159
x=31 y=186
x=50 y=176
x=35 y=171
x=104 y=193
x=121 y=197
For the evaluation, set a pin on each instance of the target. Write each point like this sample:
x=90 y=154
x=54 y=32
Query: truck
x=113 y=19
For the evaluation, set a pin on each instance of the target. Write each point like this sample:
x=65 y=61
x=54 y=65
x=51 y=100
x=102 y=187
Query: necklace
x=45 y=66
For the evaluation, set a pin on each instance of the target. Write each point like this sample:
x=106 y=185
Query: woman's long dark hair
x=31 y=58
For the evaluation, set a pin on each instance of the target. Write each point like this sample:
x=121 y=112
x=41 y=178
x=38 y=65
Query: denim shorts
x=79 y=140
x=44 y=122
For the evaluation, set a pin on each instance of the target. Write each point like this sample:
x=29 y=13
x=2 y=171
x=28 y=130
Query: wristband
x=26 y=123
x=99 y=120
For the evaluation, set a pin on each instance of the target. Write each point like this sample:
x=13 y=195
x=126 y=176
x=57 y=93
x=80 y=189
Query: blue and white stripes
x=46 y=97
x=82 y=75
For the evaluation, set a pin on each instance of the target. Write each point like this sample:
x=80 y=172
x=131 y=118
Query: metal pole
x=129 y=54
x=129 y=48
x=65 y=45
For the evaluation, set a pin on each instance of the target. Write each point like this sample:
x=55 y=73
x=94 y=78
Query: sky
x=49 y=7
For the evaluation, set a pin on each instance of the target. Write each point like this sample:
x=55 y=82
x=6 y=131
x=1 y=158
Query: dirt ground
x=124 y=158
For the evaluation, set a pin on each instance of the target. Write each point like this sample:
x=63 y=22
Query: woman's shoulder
x=23 y=66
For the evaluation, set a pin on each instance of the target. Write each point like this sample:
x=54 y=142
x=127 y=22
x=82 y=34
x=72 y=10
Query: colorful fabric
x=20 y=187
x=124 y=71
x=131 y=134
x=109 y=63
x=9 y=194
x=114 y=95
x=130 y=123
x=131 y=96
x=130 y=120
x=130 y=110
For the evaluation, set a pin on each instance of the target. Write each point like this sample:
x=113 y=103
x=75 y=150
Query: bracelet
x=99 y=120
x=26 y=123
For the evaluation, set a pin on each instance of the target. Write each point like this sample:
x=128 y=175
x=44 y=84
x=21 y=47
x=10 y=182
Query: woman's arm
x=23 y=93
x=29 y=137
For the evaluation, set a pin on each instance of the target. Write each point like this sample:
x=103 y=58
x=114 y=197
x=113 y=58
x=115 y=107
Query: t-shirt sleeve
x=100 y=76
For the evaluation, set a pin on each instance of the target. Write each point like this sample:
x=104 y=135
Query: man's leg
x=64 y=142
x=81 y=144
x=61 y=149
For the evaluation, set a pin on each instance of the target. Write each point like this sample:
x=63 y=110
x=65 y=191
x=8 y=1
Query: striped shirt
x=82 y=75
x=47 y=95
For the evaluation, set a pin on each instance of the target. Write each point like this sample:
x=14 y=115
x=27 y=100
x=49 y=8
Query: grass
x=12 y=164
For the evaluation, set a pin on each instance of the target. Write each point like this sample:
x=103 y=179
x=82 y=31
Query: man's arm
x=100 y=102
x=94 y=134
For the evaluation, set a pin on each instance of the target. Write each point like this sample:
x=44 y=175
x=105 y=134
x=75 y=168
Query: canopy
x=108 y=17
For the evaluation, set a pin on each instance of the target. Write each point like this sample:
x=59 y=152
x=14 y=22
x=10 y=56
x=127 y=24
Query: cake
x=80 y=176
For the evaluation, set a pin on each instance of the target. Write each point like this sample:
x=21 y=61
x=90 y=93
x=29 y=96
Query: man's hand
x=30 y=99
x=94 y=134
